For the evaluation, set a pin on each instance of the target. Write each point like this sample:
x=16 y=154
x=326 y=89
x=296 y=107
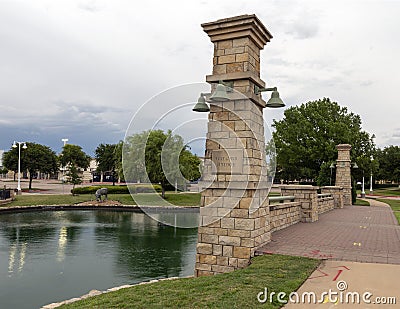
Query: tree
x=158 y=157
x=73 y=154
x=73 y=157
x=118 y=157
x=35 y=158
x=3 y=170
x=10 y=160
x=109 y=157
x=308 y=134
x=388 y=160
x=73 y=177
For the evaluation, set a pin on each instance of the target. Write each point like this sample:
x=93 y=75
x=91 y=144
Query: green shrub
x=384 y=185
x=145 y=188
x=353 y=191
x=122 y=189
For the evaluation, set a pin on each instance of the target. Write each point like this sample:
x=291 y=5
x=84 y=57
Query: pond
x=50 y=256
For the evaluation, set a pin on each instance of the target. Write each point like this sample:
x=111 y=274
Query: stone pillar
x=343 y=172
x=337 y=193
x=308 y=196
x=234 y=206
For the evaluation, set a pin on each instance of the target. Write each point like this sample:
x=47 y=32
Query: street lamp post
x=19 y=162
x=370 y=182
x=363 y=187
x=332 y=166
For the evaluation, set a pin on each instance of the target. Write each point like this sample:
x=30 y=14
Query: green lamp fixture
x=275 y=101
x=201 y=105
x=220 y=94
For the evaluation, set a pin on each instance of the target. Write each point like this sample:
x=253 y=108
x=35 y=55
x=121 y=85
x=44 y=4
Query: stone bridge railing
x=284 y=211
x=302 y=204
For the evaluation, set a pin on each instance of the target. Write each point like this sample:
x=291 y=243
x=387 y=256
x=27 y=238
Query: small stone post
x=343 y=172
x=337 y=193
x=308 y=196
x=234 y=210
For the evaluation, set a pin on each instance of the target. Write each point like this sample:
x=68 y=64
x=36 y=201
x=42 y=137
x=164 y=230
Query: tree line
x=306 y=139
x=40 y=158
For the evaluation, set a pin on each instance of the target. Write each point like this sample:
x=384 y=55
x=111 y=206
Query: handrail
x=281 y=199
x=322 y=195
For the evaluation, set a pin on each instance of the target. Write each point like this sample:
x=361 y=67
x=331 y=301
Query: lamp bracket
x=257 y=89
x=228 y=85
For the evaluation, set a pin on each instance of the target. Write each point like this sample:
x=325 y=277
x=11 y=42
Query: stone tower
x=234 y=213
x=343 y=172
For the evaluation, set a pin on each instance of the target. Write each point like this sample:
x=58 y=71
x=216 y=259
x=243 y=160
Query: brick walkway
x=356 y=233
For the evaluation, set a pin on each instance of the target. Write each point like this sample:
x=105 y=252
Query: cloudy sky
x=80 y=69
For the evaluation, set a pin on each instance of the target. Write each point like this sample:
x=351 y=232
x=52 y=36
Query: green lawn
x=238 y=289
x=361 y=203
x=41 y=199
x=394 y=191
x=179 y=199
x=395 y=205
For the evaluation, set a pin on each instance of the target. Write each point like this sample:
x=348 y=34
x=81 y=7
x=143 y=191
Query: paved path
x=375 y=203
x=355 y=233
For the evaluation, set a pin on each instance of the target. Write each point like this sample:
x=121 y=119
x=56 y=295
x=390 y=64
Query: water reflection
x=16 y=257
x=58 y=255
x=145 y=248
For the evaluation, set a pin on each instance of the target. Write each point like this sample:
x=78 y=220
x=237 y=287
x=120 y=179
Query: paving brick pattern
x=354 y=233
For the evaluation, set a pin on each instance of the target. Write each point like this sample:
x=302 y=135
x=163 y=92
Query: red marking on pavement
x=323 y=275
x=339 y=271
x=338 y=274
x=318 y=254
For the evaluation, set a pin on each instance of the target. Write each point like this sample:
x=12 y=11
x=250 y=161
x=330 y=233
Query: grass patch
x=179 y=199
x=238 y=289
x=387 y=192
x=151 y=199
x=361 y=203
x=395 y=205
x=42 y=199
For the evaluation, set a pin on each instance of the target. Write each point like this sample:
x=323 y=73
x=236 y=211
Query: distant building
x=87 y=174
x=1 y=158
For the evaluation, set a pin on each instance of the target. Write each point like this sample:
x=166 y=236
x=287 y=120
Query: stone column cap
x=343 y=147
x=299 y=187
x=238 y=27
x=332 y=187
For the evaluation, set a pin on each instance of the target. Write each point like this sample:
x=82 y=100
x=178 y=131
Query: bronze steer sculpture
x=100 y=192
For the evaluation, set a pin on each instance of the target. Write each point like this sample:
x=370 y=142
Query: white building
x=1 y=158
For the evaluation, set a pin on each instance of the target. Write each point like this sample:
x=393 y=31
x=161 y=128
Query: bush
x=353 y=191
x=145 y=188
x=384 y=185
x=137 y=188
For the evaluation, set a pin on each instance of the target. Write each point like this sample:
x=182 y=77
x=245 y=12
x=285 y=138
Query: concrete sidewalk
x=375 y=284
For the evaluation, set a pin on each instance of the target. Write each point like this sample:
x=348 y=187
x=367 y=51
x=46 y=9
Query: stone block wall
x=325 y=204
x=337 y=194
x=308 y=197
x=284 y=215
x=236 y=55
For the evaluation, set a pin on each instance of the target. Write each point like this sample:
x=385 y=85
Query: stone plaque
x=230 y=162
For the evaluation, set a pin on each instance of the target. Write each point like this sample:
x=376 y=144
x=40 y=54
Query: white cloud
x=83 y=67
